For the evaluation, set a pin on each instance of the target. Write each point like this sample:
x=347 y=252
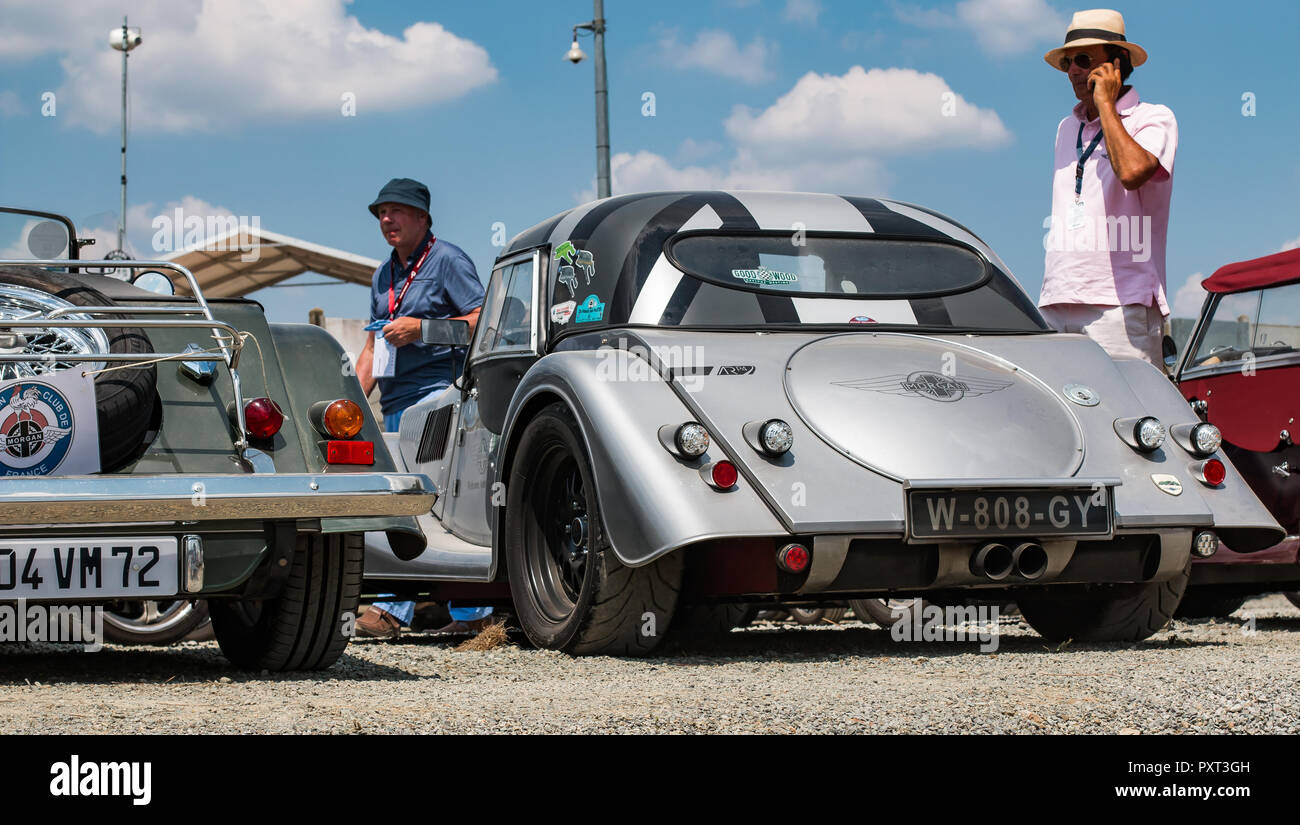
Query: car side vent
x=433 y=441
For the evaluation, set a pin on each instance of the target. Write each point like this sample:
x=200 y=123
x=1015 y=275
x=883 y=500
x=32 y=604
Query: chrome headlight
x=776 y=437
x=1206 y=438
x=1149 y=433
x=691 y=439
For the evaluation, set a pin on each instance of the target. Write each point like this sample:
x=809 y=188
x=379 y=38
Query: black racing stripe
x=680 y=301
x=587 y=223
x=646 y=248
x=941 y=217
x=888 y=222
x=777 y=309
x=930 y=312
x=733 y=213
x=534 y=236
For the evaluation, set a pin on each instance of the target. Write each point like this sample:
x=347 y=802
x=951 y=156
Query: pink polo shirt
x=1111 y=250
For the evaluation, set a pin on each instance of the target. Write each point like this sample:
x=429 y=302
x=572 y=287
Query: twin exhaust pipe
x=996 y=561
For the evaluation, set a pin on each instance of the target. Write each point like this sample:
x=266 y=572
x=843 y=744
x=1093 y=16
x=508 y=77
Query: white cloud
x=210 y=64
x=829 y=132
x=1187 y=300
x=142 y=242
x=718 y=52
x=802 y=11
x=878 y=111
x=1001 y=27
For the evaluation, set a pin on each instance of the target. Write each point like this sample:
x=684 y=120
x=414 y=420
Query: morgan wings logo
x=35 y=422
x=930 y=385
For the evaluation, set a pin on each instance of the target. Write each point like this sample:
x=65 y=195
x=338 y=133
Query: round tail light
x=337 y=419
x=262 y=418
x=793 y=558
x=1211 y=472
x=1205 y=544
x=691 y=439
x=1149 y=434
x=721 y=475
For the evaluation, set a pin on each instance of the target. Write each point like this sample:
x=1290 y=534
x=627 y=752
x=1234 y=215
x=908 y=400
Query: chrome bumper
x=121 y=499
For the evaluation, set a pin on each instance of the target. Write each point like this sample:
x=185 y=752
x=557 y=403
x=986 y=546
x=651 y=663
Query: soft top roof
x=1257 y=273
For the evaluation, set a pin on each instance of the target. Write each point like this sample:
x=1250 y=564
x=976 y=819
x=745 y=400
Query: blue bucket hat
x=404 y=191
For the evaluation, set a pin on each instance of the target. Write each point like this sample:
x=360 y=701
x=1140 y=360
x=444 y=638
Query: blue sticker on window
x=592 y=309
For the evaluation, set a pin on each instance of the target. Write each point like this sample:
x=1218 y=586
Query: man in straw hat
x=1105 y=267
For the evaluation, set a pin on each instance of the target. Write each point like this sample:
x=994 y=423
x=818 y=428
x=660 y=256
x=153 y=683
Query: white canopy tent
x=250 y=258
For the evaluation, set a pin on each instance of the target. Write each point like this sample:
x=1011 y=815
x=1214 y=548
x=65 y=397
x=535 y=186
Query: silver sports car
x=678 y=401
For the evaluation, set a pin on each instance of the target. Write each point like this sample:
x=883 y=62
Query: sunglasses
x=1083 y=60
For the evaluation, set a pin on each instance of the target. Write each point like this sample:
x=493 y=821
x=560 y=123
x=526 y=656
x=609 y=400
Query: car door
x=506 y=343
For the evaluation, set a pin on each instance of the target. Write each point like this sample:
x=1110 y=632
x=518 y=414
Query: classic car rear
x=702 y=398
x=1240 y=371
x=163 y=447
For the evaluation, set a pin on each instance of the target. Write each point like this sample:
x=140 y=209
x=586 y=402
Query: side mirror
x=445 y=332
x=154 y=281
x=1170 y=351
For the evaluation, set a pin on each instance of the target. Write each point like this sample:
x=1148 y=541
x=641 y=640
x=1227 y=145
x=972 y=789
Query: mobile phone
x=375 y=326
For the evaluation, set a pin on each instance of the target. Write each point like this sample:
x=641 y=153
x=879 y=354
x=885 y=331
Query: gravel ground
x=1195 y=677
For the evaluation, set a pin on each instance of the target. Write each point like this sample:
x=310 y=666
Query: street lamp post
x=124 y=40
x=575 y=55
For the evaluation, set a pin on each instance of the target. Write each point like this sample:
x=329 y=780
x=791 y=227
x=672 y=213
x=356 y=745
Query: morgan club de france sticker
x=48 y=426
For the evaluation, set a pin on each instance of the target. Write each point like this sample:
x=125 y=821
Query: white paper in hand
x=384 y=363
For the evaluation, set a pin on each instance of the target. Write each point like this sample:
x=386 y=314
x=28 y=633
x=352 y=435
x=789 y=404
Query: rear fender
x=651 y=502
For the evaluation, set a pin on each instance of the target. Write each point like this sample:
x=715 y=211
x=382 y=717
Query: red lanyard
x=394 y=301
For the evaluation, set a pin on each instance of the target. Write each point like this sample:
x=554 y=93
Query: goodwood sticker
x=764 y=276
x=561 y=313
x=572 y=261
x=48 y=426
x=1168 y=483
x=591 y=310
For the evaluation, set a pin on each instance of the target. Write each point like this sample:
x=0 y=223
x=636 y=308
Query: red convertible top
x=1270 y=270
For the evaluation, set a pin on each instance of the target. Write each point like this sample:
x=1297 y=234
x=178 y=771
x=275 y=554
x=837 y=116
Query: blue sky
x=237 y=105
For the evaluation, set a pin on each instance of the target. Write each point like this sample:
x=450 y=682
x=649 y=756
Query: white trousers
x=1129 y=331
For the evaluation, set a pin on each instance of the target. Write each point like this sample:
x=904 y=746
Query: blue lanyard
x=1083 y=158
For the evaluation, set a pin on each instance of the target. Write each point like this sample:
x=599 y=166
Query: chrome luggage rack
x=229 y=340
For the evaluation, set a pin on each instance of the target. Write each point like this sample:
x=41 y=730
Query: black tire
x=124 y=399
x=1122 y=613
x=703 y=621
x=308 y=625
x=570 y=591
x=881 y=611
x=134 y=623
x=1293 y=597
x=1199 y=603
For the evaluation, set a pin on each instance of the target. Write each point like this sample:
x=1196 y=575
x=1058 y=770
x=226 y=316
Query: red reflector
x=724 y=474
x=262 y=418
x=350 y=452
x=1214 y=472
x=793 y=558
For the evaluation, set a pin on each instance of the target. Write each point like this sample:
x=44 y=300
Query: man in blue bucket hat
x=424 y=277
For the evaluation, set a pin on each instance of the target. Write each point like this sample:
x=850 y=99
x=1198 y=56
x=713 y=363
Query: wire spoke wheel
x=43 y=346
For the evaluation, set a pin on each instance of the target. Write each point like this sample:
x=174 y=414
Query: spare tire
x=124 y=399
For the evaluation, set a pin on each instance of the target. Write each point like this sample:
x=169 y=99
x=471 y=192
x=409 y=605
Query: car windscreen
x=749 y=279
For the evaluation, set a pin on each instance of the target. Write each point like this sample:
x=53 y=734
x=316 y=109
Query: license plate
x=76 y=568
x=933 y=514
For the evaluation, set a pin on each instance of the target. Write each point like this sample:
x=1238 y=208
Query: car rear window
x=840 y=267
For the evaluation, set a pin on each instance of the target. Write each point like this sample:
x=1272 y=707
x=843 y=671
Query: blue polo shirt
x=445 y=286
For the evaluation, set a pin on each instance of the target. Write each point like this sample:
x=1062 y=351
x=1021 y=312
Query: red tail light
x=793 y=558
x=262 y=418
x=1211 y=472
x=723 y=475
x=350 y=452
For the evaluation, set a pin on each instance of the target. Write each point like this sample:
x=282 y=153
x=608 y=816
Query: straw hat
x=1096 y=27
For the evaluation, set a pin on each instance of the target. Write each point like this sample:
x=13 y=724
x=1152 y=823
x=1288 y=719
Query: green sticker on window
x=764 y=276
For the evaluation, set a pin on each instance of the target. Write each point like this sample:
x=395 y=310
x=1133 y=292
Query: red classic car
x=1241 y=372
